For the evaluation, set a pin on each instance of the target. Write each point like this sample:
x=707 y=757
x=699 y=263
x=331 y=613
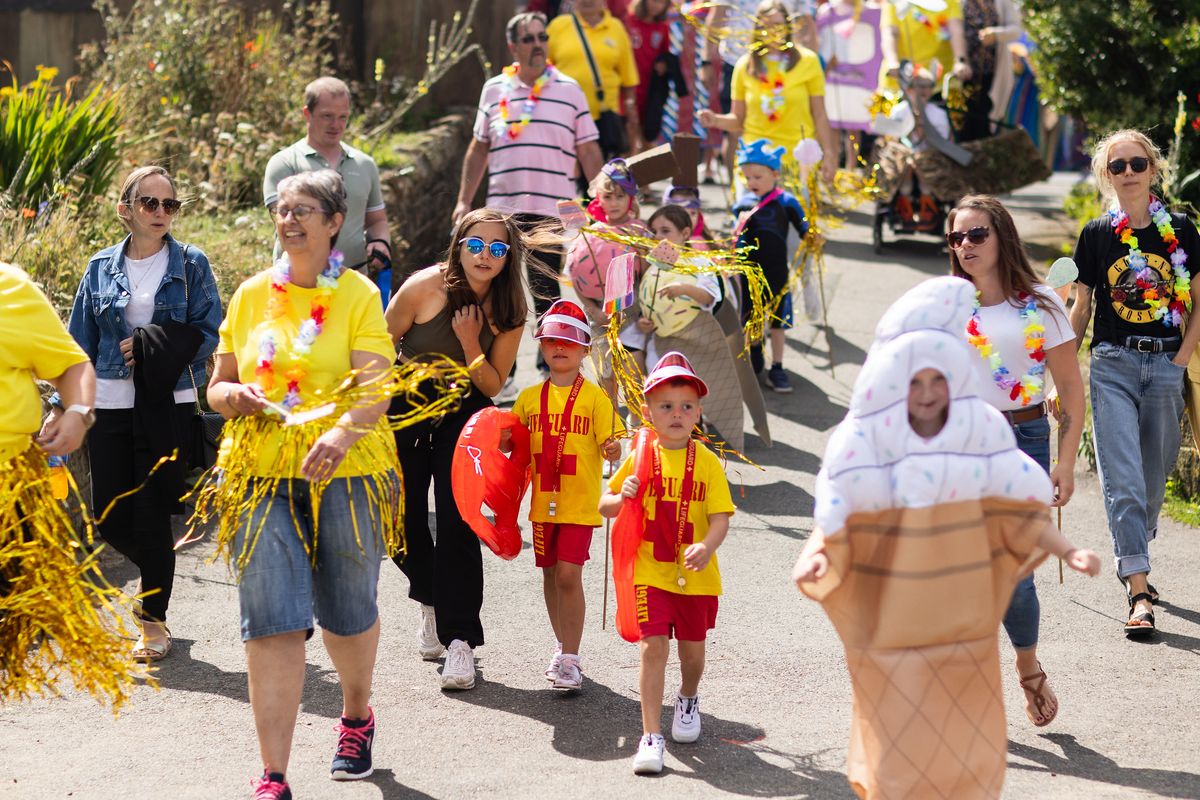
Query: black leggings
x=448 y=574
x=138 y=527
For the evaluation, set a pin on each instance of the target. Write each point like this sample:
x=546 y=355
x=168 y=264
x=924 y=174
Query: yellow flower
x=46 y=74
x=378 y=70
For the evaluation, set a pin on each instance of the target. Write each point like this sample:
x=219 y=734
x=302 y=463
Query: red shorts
x=554 y=542
x=690 y=616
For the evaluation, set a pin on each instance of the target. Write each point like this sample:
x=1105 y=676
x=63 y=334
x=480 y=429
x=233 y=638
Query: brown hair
x=637 y=8
x=1104 y=147
x=133 y=182
x=765 y=9
x=326 y=84
x=677 y=216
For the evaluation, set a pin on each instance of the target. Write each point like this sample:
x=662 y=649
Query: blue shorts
x=783 y=314
x=280 y=590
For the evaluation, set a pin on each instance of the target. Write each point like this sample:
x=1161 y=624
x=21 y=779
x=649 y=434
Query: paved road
x=776 y=695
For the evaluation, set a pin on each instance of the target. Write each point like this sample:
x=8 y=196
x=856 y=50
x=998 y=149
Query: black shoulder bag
x=614 y=139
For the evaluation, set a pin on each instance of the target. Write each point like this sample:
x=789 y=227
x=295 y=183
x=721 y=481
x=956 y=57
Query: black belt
x=1152 y=344
x=1025 y=414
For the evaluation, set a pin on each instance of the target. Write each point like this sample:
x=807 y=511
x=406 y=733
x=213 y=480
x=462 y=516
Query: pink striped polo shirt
x=531 y=173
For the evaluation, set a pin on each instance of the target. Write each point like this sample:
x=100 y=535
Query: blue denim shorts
x=280 y=590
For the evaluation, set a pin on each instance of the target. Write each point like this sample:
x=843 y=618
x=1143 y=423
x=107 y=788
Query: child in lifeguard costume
x=573 y=428
x=686 y=508
x=927 y=514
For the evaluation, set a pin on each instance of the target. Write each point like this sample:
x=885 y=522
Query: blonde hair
x=1100 y=159
x=133 y=182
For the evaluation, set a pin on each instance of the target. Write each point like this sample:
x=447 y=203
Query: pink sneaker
x=271 y=786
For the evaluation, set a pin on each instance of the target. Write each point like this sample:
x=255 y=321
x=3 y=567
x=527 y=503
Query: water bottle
x=60 y=477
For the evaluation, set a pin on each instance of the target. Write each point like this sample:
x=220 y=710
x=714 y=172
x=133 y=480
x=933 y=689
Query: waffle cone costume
x=910 y=524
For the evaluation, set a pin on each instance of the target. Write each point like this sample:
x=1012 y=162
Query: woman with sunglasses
x=155 y=299
x=1136 y=262
x=471 y=309
x=1020 y=329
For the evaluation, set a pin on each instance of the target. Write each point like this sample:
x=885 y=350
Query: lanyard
x=685 y=497
x=564 y=425
x=771 y=195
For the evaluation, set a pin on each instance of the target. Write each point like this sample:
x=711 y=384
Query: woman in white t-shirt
x=161 y=294
x=1021 y=332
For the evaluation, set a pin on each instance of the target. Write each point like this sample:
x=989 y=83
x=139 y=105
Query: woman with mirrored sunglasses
x=471 y=308
x=1012 y=303
x=1136 y=262
x=151 y=298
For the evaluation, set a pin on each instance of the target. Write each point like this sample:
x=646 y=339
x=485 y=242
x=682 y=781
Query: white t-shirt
x=145 y=275
x=1005 y=329
x=739 y=23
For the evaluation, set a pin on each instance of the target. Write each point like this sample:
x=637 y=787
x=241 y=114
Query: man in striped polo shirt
x=533 y=123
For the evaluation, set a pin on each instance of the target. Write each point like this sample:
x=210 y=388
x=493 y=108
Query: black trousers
x=138 y=527
x=446 y=573
x=977 y=123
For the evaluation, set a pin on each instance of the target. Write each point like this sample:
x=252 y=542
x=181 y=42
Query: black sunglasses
x=150 y=204
x=1139 y=164
x=977 y=235
x=530 y=38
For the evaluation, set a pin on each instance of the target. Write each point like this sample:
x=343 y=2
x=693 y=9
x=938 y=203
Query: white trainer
x=459 y=670
x=686 y=725
x=552 y=669
x=427 y=639
x=570 y=676
x=649 y=758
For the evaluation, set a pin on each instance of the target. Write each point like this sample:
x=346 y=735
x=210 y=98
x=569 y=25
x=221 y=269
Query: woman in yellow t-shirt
x=291 y=334
x=924 y=33
x=778 y=91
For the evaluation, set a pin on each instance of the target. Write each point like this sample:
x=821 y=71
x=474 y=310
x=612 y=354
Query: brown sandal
x=146 y=653
x=1035 y=684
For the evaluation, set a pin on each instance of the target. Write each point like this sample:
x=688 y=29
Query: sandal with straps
x=1149 y=589
x=1142 y=623
x=145 y=652
x=1041 y=698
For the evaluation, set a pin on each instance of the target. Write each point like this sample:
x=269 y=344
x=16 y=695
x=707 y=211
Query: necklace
x=310 y=329
x=771 y=101
x=1170 y=309
x=1030 y=385
x=503 y=122
x=151 y=260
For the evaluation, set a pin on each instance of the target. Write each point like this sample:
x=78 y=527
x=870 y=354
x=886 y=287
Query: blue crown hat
x=760 y=152
x=618 y=172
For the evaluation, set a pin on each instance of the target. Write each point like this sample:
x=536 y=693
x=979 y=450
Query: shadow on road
x=922 y=253
x=1082 y=762
x=730 y=756
x=782 y=498
x=393 y=789
x=844 y=350
x=808 y=405
x=780 y=454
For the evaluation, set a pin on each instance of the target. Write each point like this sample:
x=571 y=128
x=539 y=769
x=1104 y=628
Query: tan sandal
x=1036 y=685
x=146 y=653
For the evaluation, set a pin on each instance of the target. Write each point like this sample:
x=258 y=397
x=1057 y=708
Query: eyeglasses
x=1139 y=164
x=977 y=235
x=530 y=38
x=475 y=246
x=150 y=204
x=299 y=213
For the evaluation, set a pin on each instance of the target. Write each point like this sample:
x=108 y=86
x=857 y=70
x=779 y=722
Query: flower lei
x=310 y=329
x=503 y=122
x=1031 y=384
x=1171 y=309
x=940 y=21
x=772 y=95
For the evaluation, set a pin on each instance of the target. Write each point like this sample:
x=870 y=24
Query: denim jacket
x=97 y=318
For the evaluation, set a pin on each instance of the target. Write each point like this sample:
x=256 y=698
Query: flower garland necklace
x=310 y=329
x=1031 y=384
x=938 y=24
x=772 y=93
x=504 y=121
x=1171 y=309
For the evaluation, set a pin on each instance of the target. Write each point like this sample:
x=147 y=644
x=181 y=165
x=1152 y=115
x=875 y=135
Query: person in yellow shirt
x=614 y=67
x=676 y=574
x=927 y=31
x=573 y=427
x=289 y=333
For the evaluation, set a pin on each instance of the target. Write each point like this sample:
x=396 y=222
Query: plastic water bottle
x=60 y=477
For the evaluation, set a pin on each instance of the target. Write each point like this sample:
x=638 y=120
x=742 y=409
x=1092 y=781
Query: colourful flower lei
x=939 y=21
x=310 y=329
x=772 y=94
x=503 y=123
x=1170 y=310
x=1031 y=384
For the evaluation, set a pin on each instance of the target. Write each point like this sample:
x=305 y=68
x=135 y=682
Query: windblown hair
x=1101 y=158
x=766 y=8
x=133 y=182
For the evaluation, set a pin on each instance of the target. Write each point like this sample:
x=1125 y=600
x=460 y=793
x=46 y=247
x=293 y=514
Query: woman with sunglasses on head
x=1136 y=262
x=1020 y=329
x=146 y=314
x=472 y=309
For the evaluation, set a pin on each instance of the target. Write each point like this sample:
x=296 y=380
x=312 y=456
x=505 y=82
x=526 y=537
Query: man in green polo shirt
x=326 y=111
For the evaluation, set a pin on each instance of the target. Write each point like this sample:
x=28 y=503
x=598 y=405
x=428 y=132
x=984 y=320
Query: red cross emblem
x=661 y=530
x=545 y=468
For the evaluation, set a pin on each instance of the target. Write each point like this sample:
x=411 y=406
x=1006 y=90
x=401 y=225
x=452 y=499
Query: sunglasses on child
x=977 y=235
x=475 y=246
x=1139 y=165
x=150 y=204
x=530 y=38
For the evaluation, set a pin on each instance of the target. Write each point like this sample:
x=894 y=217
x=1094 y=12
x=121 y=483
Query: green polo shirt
x=363 y=194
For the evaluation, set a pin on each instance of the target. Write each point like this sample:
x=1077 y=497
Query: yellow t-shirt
x=800 y=83
x=592 y=424
x=611 y=50
x=921 y=36
x=354 y=322
x=33 y=343
x=655 y=564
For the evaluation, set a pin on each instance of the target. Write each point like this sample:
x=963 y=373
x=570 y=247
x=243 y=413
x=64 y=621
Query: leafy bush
x=209 y=90
x=47 y=138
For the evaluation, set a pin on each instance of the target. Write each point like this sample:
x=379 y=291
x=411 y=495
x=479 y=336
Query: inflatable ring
x=627 y=536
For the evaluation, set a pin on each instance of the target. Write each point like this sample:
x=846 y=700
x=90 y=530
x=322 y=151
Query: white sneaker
x=552 y=670
x=459 y=671
x=649 y=758
x=427 y=639
x=570 y=677
x=686 y=725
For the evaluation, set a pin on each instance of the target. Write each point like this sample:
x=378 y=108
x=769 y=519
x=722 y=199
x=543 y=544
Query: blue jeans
x=1137 y=400
x=1024 y=610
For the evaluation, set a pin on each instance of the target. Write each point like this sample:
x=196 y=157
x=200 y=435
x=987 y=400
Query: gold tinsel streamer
x=228 y=496
x=750 y=38
x=58 y=615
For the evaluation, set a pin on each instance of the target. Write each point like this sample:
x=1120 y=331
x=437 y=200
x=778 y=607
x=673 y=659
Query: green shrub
x=47 y=139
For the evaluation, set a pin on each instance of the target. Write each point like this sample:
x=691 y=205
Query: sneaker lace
x=352 y=742
x=267 y=789
x=459 y=659
x=688 y=707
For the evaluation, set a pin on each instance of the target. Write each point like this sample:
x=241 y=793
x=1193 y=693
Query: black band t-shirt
x=1103 y=267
